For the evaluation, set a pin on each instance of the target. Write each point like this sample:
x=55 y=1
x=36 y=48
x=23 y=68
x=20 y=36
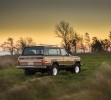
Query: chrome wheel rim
x=54 y=71
x=77 y=69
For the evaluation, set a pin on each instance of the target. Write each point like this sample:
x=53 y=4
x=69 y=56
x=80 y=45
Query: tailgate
x=30 y=60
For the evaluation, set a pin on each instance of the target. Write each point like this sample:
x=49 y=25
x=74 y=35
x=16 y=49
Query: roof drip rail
x=47 y=45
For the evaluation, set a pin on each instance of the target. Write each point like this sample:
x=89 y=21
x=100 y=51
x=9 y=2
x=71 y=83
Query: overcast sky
x=37 y=18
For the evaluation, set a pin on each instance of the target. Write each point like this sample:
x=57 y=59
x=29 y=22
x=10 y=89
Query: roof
x=55 y=46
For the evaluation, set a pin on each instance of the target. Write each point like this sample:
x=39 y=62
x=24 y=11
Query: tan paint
x=37 y=60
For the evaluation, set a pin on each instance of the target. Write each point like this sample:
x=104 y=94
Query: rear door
x=32 y=56
x=53 y=55
x=30 y=60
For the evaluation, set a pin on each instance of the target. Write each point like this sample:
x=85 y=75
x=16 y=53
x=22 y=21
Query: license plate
x=30 y=63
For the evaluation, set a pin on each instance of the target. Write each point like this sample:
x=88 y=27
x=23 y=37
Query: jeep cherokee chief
x=49 y=59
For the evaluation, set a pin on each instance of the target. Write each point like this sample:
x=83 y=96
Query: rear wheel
x=29 y=72
x=54 y=70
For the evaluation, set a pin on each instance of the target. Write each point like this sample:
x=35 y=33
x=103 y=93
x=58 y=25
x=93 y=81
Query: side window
x=63 y=52
x=54 y=51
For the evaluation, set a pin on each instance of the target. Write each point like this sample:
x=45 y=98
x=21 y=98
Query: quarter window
x=54 y=51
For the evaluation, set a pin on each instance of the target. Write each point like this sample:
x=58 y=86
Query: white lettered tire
x=54 y=70
x=76 y=69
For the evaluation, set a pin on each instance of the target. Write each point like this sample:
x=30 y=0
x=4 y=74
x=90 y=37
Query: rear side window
x=33 y=51
x=53 y=51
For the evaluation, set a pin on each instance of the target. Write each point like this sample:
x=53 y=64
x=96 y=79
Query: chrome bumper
x=38 y=67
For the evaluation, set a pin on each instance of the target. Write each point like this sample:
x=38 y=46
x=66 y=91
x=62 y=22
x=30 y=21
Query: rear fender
x=54 y=62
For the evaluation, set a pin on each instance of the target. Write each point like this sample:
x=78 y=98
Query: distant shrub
x=6 y=61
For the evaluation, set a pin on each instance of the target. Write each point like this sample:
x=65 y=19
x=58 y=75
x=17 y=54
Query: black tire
x=29 y=72
x=54 y=70
x=76 y=68
x=43 y=72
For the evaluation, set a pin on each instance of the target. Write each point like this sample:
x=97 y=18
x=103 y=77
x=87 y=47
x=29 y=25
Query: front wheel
x=76 y=69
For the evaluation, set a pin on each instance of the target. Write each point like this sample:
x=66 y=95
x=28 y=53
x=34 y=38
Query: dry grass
x=93 y=83
x=33 y=89
x=6 y=61
x=96 y=88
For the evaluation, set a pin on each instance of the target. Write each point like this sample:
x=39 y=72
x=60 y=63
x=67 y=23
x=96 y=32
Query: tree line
x=71 y=40
x=17 y=48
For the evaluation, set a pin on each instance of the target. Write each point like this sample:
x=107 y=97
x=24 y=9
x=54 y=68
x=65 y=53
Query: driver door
x=66 y=58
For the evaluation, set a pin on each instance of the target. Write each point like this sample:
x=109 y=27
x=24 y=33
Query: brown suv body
x=42 y=58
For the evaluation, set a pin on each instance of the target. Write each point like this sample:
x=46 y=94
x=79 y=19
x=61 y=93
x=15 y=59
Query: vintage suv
x=49 y=59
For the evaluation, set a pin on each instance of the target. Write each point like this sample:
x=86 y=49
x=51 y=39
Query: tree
x=96 y=45
x=110 y=39
x=105 y=44
x=69 y=37
x=82 y=46
x=9 y=45
x=23 y=42
x=87 y=40
x=64 y=31
x=75 y=40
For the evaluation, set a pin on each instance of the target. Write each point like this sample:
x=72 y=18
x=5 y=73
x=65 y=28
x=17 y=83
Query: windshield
x=33 y=51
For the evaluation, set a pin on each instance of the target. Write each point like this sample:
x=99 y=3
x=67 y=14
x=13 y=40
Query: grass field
x=92 y=83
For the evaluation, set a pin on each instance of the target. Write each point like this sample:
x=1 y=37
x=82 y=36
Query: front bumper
x=33 y=67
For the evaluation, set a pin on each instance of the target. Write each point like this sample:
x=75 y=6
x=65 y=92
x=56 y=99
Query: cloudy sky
x=37 y=18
